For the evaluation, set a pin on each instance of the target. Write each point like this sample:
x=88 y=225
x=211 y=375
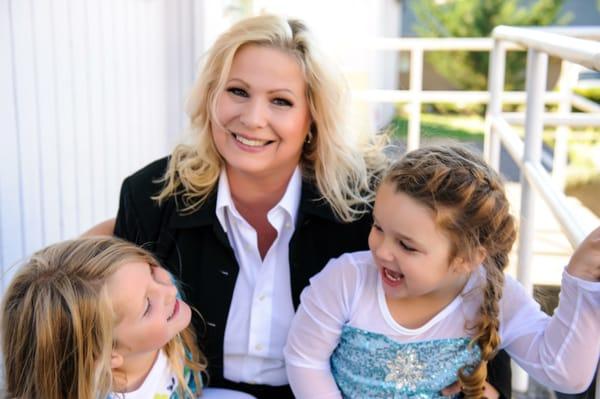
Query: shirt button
x=258 y=347
x=288 y=225
x=262 y=297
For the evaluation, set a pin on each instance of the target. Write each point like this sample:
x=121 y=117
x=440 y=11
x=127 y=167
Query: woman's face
x=263 y=114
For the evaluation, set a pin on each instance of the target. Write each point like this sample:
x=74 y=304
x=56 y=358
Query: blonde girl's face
x=410 y=251
x=148 y=311
x=263 y=114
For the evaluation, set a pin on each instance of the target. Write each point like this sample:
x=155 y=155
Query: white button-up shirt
x=261 y=309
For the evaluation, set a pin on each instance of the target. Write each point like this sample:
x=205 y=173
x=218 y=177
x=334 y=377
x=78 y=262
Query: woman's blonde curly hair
x=341 y=164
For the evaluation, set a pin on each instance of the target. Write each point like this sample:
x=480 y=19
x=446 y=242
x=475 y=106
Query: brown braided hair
x=470 y=205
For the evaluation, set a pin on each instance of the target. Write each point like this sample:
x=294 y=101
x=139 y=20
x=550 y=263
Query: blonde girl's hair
x=57 y=322
x=469 y=203
x=341 y=164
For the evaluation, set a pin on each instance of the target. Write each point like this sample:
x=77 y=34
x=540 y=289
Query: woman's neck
x=135 y=369
x=254 y=198
x=257 y=195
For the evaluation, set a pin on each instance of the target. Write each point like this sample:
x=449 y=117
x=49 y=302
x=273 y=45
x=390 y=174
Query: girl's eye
x=148 y=307
x=282 y=102
x=236 y=91
x=406 y=247
x=376 y=227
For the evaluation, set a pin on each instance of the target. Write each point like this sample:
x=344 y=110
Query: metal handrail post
x=568 y=78
x=416 y=85
x=491 y=144
x=537 y=68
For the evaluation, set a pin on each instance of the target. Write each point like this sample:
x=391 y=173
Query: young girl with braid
x=430 y=304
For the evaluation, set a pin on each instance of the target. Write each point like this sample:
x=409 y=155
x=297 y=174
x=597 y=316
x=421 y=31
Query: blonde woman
x=271 y=186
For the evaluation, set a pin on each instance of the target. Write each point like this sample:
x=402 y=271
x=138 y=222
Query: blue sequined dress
x=397 y=370
x=345 y=342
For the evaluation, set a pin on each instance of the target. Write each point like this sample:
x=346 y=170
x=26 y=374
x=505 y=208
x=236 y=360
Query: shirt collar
x=289 y=203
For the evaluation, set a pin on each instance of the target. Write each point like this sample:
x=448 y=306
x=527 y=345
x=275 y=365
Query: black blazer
x=196 y=250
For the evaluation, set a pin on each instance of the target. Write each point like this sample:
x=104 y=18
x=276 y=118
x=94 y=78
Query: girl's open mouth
x=175 y=310
x=392 y=277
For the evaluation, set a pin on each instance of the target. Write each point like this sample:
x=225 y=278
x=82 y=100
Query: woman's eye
x=282 y=102
x=148 y=307
x=236 y=91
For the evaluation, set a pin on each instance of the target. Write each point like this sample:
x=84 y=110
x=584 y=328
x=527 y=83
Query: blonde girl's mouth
x=175 y=310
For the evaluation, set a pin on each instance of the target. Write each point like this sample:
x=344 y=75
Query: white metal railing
x=540 y=45
x=539 y=42
x=415 y=96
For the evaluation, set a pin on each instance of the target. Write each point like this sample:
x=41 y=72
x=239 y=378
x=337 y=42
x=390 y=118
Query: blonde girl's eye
x=148 y=307
x=377 y=227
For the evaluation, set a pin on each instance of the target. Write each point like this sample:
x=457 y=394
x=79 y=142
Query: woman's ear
x=116 y=360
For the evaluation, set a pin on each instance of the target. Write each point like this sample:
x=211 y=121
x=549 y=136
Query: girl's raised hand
x=585 y=262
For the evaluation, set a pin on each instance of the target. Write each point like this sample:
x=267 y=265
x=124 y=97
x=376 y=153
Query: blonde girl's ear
x=116 y=360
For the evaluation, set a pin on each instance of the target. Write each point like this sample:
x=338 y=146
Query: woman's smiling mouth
x=250 y=142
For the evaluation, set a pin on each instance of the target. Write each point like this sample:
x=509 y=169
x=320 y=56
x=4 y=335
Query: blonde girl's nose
x=162 y=276
x=169 y=293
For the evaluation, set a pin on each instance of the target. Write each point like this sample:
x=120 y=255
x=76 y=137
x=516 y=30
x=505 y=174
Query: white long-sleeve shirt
x=561 y=351
x=261 y=308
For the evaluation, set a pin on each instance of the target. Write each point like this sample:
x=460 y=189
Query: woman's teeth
x=394 y=276
x=250 y=142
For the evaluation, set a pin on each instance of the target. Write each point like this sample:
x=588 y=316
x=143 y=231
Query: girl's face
x=148 y=311
x=263 y=114
x=411 y=252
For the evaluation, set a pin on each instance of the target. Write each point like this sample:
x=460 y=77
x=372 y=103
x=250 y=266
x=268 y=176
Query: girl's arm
x=561 y=352
x=105 y=228
x=316 y=328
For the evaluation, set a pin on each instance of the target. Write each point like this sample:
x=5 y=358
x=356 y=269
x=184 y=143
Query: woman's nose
x=254 y=114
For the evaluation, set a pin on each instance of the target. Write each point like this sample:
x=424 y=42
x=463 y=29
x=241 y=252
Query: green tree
x=477 y=18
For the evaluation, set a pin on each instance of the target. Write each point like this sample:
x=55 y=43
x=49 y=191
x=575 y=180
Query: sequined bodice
x=370 y=365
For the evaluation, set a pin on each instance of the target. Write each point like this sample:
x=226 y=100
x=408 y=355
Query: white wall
x=90 y=90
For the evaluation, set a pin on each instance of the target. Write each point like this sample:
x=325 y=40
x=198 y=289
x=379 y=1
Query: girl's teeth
x=249 y=142
x=394 y=276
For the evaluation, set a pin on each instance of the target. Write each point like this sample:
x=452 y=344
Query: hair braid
x=469 y=203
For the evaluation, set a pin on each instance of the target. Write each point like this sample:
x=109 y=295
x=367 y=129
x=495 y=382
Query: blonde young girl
x=86 y=317
x=430 y=304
